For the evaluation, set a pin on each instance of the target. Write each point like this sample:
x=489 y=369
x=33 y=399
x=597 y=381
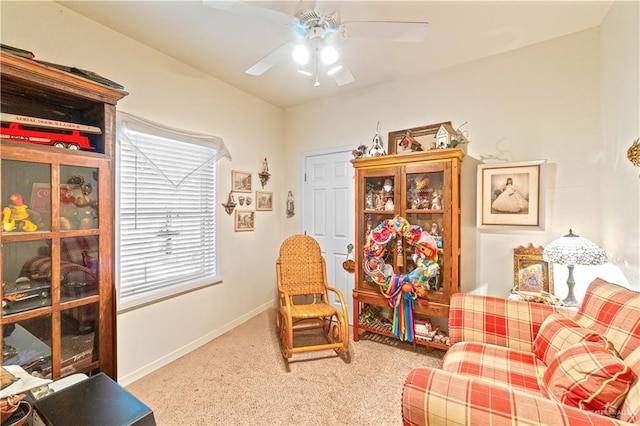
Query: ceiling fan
x=314 y=35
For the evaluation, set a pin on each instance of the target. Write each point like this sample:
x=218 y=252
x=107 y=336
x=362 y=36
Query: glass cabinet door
x=51 y=264
x=426 y=196
x=379 y=200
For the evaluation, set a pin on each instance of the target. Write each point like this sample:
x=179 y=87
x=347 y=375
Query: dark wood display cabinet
x=57 y=199
x=424 y=188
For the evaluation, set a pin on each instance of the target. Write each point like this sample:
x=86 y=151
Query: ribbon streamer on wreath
x=401 y=290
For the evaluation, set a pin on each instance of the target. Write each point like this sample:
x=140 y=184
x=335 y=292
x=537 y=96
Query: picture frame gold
x=501 y=186
x=531 y=274
x=240 y=181
x=264 y=200
x=425 y=135
x=244 y=220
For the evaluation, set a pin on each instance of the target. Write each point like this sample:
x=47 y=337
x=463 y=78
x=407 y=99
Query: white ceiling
x=225 y=44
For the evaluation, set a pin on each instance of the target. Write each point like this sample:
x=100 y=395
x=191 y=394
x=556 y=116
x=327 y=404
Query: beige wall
x=620 y=118
x=165 y=90
x=542 y=102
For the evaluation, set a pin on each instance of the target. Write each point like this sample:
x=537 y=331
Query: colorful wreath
x=401 y=290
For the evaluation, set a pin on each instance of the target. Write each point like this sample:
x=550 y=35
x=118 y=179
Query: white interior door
x=329 y=214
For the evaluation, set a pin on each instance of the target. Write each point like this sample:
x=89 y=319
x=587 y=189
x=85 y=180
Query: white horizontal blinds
x=166 y=214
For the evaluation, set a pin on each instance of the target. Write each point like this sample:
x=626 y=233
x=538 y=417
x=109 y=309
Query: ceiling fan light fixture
x=329 y=55
x=301 y=54
x=334 y=70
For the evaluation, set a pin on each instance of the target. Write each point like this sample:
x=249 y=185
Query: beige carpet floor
x=241 y=378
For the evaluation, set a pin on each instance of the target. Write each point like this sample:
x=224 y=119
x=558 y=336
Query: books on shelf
x=423 y=329
x=17 y=51
x=71 y=70
x=90 y=75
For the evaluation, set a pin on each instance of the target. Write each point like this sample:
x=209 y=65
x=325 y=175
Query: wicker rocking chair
x=303 y=300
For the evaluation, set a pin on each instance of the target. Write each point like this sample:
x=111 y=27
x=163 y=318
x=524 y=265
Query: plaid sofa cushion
x=630 y=409
x=517 y=369
x=614 y=312
x=436 y=397
x=589 y=377
x=558 y=332
x=498 y=321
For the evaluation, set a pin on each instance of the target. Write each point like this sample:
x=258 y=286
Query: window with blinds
x=166 y=212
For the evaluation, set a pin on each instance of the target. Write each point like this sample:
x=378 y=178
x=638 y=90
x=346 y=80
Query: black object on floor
x=97 y=400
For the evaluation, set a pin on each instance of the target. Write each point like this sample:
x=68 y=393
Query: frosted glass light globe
x=329 y=55
x=301 y=54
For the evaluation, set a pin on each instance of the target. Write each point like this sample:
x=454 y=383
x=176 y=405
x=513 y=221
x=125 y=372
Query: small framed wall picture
x=240 y=181
x=244 y=220
x=264 y=200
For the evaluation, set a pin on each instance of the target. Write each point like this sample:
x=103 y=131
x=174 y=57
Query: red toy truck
x=71 y=139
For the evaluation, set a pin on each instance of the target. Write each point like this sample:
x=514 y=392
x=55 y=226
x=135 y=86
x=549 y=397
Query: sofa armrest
x=436 y=397
x=504 y=322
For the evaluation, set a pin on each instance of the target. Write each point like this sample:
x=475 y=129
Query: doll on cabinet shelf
x=436 y=201
x=388 y=205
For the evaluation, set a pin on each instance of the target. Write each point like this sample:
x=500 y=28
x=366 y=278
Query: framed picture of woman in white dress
x=511 y=194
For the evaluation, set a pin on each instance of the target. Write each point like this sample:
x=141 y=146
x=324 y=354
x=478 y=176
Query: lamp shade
x=574 y=250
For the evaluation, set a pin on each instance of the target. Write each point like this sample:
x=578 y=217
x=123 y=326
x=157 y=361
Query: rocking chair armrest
x=282 y=295
x=342 y=303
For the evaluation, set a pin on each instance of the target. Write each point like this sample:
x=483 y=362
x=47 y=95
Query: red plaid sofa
x=520 y=363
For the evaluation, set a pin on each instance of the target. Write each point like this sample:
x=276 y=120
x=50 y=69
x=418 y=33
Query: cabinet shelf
x=385 y=329
x=382 y=212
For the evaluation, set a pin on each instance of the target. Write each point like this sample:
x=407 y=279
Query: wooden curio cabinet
x=424 y=188
x=57 y=195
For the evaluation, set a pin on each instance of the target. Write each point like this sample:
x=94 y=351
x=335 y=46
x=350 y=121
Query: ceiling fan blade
x=343 y=76
x=265 y=64
x=248 y=9
x=410 y=32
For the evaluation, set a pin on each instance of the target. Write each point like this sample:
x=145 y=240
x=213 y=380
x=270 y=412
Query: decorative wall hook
x=264 y=174
x=230 y=205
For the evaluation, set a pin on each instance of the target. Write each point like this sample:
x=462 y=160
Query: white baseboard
x=138 y=374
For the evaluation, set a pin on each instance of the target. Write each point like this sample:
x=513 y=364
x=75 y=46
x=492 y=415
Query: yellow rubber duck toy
x=16 y=216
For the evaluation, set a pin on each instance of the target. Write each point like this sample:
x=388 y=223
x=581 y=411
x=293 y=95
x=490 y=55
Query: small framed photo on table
x=531 y=274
